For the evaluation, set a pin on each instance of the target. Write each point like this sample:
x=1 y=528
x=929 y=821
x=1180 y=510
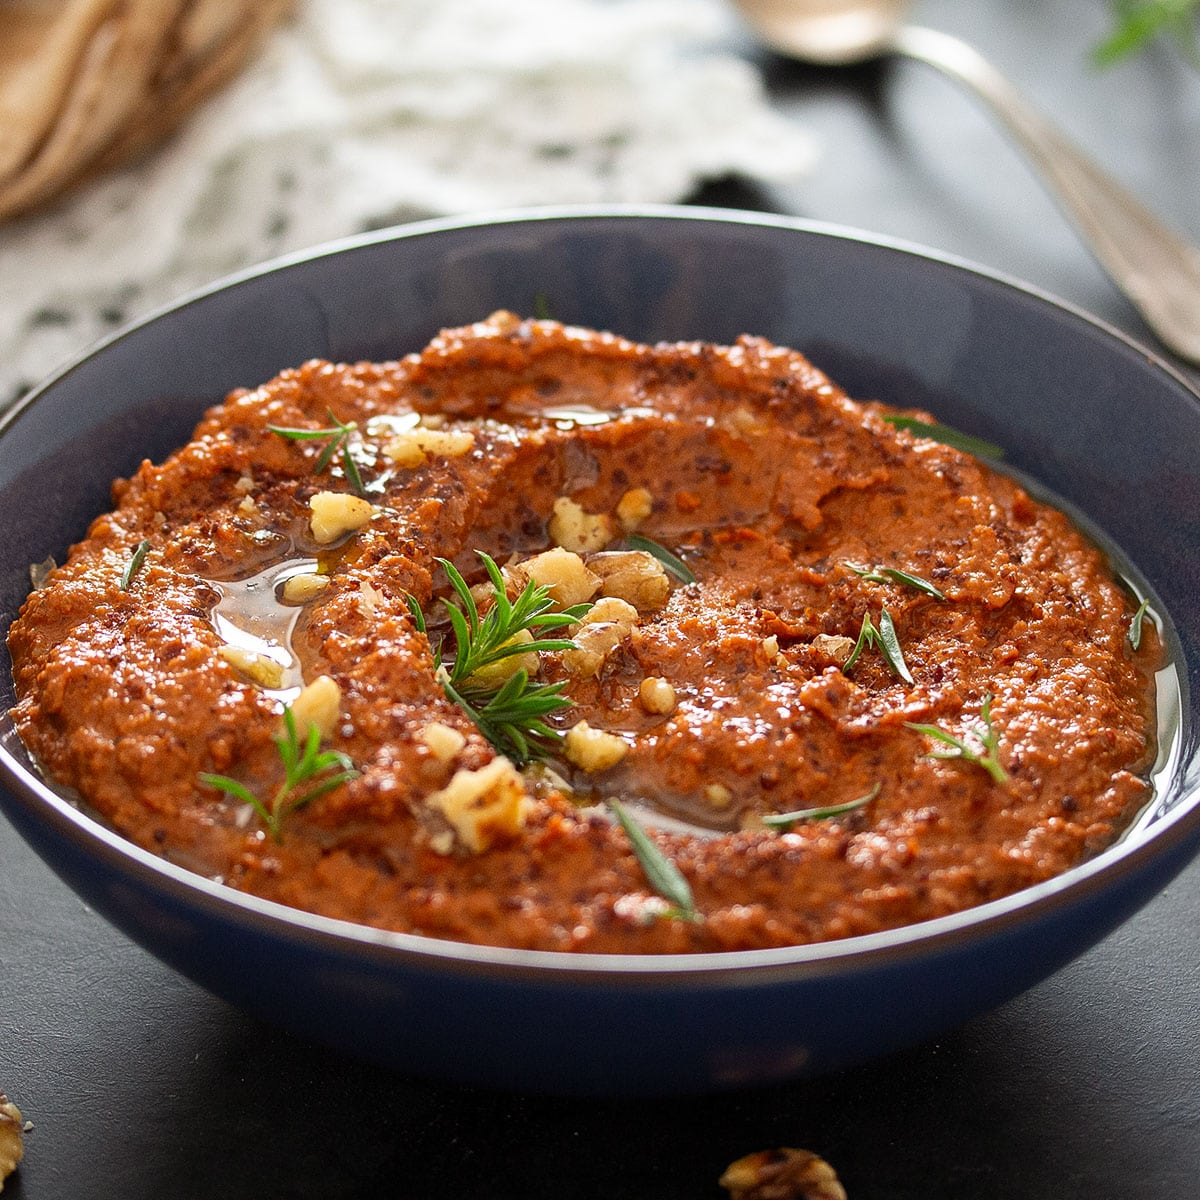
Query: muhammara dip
x=778 y=602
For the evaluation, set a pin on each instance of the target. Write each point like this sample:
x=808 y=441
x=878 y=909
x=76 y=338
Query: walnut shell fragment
x=783 y=1174
x=12 y=1142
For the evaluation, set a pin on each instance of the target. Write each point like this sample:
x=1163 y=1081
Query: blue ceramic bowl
x=1080 y=408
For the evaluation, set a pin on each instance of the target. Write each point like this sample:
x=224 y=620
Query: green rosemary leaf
x=1135 y=625
x=947 y=435
x=1138 y=22
x=353 y=475
x=338 y=435
x=508 y=711
x=676 y=566
x=661 y=873
x=885 y=640
x=889 y=647
x=788 y=819
x=301 y=435
x=239 y=791
x=892 y=575
x=541 y=307
x=980 y=746
x=134 y=565
x=866 y=637
x=302 y=763
x=414 y=607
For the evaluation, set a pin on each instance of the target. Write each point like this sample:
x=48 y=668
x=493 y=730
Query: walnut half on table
x=12 y=1142
x=783 y=1174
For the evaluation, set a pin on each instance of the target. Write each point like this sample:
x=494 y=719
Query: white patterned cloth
x=364 y=113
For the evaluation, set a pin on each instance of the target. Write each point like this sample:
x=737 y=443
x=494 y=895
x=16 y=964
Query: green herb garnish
x=885 y=640
x=1137 y=22
x=661 y=873
x=947 y=435
x=508 y=712
x=892 y=575
x=339 y=440
x=302 y=763
x=675 y=566
x=1135 y=625
x=541 y=307
x=138 y=557
x=788 y=819
x=980 y=746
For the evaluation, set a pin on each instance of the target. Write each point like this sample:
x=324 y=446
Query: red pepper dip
x=850 y=616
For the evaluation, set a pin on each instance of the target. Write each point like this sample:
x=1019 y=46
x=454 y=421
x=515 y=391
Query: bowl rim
x=1168 y=830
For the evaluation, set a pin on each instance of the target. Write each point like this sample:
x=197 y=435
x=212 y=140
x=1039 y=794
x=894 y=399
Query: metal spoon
x=1153 y=266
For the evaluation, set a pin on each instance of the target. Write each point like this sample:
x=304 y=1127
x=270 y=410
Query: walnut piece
x=783 y=1174
x=561 y=572
x=572 y=528
x=482 y=806
x=12 y=1142
x=319 y=704
x=337 y=513
x=632 y=575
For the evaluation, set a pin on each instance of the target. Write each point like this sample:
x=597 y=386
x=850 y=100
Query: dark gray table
x=142 y=1086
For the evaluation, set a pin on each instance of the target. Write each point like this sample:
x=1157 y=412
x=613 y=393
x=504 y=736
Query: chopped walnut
x=634 y=508
x=656 y=695
x=337 y=513
x=770 y=647
x=718 y=795
x=603 y=628
x=12 y=1142
x=593 y=749
x=574 y=529
x=834 y=645
x=784 y=1174
x=319 y=704
x=415 y=447
x=444 y=741
x=482 y=806
x=259 y=668
x=561 y=572
x=633 y=576
x=298 y=589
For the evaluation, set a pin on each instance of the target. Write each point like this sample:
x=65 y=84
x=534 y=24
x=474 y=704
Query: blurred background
x=148 y=147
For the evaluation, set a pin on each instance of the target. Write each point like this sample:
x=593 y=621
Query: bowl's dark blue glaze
x=1078 y=407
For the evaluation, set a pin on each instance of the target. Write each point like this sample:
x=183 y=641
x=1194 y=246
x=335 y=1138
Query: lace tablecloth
x=365 y=113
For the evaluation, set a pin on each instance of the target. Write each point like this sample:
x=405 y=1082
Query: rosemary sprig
x=508 y=712
x=674 y=565
x=892 y=575
x=479 y=642
x=885 y=640
x=788 y=819
x=1137 y=22
x=302 y=764
x=661 y=873
x=947 y=435
x=138 y=557
x=511 y=719
x=339 y=440
x=982 y=748
x=1135 y=625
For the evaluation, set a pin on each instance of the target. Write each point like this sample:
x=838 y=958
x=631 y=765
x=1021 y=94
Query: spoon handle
x=1158 y=270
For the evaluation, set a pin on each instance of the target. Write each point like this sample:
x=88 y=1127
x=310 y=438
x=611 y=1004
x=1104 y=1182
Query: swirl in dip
x=850 y=580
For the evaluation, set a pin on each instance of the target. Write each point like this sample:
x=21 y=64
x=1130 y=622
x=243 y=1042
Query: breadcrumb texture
x=749 y=465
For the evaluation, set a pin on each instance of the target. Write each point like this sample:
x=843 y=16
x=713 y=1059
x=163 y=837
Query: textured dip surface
x=706 y=706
